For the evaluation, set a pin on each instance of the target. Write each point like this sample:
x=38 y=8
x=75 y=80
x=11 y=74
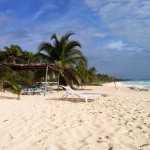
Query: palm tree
x=65 y=55
x=4 y=71
x=3 y=56
x=16 y=88
x=92 y=71
x=92 y=78
x=13 y=52
x=83 y=70
x=27 y=56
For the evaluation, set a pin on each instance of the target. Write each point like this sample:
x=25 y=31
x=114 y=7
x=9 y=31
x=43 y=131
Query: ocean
x=138 y=83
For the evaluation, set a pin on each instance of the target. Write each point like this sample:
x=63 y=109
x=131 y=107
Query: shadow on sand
x=8 y=98
x=73 y=100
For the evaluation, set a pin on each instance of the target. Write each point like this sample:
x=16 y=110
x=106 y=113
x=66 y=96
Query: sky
x=114 y=34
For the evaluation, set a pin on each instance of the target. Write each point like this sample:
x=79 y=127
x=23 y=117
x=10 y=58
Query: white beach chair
x=24 y=90
x=72 y=93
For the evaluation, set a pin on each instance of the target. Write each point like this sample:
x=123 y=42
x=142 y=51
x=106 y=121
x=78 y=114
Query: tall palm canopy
x=65 y=55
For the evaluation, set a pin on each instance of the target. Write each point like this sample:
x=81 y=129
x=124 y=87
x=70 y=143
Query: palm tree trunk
x=18 y=96
x=1 y=85
x=58 y=80
x=68 y=82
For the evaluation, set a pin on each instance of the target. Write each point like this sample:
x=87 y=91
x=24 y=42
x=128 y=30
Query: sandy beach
x=119 y=120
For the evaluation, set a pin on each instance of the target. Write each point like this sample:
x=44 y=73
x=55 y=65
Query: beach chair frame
x=85 y=96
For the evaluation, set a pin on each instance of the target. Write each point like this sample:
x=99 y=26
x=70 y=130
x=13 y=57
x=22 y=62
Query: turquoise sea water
x=141 y=83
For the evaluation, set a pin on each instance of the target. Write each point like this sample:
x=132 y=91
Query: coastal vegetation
x=69 y=64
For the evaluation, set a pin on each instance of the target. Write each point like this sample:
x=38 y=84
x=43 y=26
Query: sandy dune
x=118 y=121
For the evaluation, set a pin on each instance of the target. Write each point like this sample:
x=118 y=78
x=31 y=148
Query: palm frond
x=68 y=34
x=46 y=47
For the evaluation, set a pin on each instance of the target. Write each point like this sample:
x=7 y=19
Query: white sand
x=119 y=121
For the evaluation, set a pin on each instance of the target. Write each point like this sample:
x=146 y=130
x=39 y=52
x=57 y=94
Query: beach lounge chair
x=40 y=90
x=24 y=90
x=30 y=90
x=72 y=93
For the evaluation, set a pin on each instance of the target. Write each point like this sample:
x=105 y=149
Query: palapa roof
x=28 y=66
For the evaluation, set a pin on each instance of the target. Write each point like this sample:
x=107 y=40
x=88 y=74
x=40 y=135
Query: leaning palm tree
x=65 y=55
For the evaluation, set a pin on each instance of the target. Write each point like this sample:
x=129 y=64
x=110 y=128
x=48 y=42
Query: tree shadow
x=8 y=98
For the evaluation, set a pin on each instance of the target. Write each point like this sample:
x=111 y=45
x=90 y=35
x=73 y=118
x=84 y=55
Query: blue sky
x=114 y=34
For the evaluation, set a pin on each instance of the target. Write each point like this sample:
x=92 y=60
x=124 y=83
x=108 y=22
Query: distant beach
x=138 y=83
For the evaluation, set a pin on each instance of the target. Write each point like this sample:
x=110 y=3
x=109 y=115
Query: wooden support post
x=46 y=78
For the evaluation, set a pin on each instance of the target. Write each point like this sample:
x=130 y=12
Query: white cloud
x=94 y=4
x=91 y=32
x=127 y=20
x=43 y=10
x=118 y=45
x=31 y=35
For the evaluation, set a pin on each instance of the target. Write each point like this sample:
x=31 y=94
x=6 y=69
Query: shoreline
x=120 y=120
x=137 y=84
